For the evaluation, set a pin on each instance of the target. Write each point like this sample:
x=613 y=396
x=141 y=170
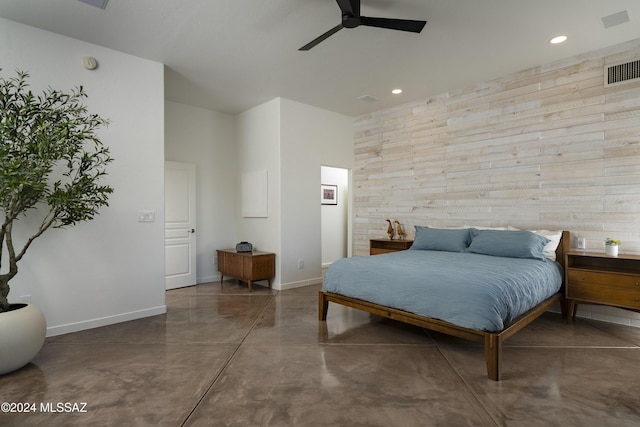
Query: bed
x=479 y=285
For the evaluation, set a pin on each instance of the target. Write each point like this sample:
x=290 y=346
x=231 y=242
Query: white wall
x=258 y=149
x=311 y=137
x=207 y=139
x=335 y=217
x=292 y=141
x=112 y=268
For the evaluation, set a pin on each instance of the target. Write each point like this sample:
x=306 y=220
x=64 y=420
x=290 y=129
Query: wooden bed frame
x=493 y=341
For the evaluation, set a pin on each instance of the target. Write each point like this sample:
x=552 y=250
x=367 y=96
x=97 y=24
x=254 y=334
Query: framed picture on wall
x=329 y=194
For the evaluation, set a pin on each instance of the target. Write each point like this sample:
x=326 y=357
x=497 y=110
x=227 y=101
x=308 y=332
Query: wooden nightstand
x=246 y=266
x=382 y=246
x=596 y=278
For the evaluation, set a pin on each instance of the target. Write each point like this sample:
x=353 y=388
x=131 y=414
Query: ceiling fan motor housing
x=351 y=18
x=350 y=21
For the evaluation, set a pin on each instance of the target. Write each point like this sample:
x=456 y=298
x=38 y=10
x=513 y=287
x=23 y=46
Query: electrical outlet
x=582 y=243
x=25 y=299
x=300 y=264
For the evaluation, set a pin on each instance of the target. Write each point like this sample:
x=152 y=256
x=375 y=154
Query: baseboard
x=609 y=314
x=605 y=314
x=299 y=284
x=276 y=286
x=207 y=279
x=105 y=321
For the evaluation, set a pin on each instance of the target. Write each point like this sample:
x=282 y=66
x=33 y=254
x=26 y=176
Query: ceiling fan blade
x=350 y=7
x=394 y=24
x=323 y=37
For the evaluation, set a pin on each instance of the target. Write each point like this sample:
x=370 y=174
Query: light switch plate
x=146 y=216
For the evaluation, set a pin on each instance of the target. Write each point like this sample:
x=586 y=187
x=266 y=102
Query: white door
x=180 y=224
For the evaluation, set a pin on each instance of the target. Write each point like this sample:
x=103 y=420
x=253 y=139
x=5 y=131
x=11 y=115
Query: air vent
x=100 y=4
x=622 y=73
x=367 y=98
x=615 y=19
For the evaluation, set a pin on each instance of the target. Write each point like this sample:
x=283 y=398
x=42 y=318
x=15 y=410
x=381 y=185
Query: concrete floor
x=230 y=358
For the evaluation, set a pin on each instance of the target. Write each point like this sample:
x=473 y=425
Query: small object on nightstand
x=400 y=230
x=611 y=246
x=390 y=231
x=244 y=247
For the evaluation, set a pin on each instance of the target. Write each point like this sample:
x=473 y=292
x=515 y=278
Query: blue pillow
x=440 y=239
x=511 y=244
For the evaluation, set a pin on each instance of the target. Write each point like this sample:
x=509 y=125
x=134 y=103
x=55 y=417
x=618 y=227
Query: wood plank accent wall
x=548 y=147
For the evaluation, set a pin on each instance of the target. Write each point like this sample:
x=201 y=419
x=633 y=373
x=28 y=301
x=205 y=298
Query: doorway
x=335 y=223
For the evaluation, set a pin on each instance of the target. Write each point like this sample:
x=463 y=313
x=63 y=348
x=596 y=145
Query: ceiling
x=231 y=55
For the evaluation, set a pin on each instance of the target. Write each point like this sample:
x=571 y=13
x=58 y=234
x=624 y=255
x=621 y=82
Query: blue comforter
x=475 y=291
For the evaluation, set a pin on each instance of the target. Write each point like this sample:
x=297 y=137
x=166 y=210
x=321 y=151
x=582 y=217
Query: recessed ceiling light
x=396 y=91
x=558 y=39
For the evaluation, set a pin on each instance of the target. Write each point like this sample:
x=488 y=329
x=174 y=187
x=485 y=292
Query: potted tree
x=51 y=165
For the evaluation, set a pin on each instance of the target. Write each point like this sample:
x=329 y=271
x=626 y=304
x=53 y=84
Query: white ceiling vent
x=615 y=19
x=622 y=73
x=367 y=98
x=100 y=4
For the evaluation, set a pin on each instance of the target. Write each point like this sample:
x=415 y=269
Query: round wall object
x=89 y=63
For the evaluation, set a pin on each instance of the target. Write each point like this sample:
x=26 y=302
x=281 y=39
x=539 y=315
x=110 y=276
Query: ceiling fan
x=351 y=18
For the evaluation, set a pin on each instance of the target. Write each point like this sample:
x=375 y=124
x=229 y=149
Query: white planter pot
x=611 y=250
x=22 y=334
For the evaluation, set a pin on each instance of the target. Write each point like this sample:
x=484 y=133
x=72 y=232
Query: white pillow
x=554 y=237
x=485 y=228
